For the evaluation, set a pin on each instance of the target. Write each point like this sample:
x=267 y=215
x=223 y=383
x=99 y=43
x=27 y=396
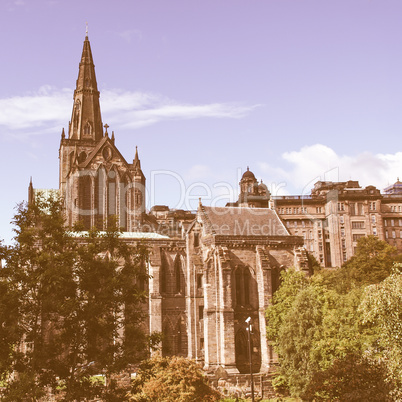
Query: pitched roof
x=233 y=221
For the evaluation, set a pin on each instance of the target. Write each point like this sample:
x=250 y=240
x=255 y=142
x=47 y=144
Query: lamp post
x=248 y=321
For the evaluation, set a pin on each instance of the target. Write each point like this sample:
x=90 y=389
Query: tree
x=292 y=282
x=9 y=307
x=78 y=303
x=320 y=326
x=351 y=378
x=381 y=306
x=300 y=327
x=172 y=379
x=371 y=263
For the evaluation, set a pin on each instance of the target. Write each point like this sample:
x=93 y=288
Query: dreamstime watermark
x=107 y=193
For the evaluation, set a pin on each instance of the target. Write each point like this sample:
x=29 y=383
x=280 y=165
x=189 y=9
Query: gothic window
x=242 y=282
x=85 y=204
x=196 y=239
x=76 y=113
x=138 y=198
x=167 y=341
x=82 y=157
x=199 y=281
x=87 y=129
x=111 y=193
x=123 y=197
x=174 y=338
x=163 y=274
x=180 y=334
x=99 y=199
x=242 y=351
x=178 y=275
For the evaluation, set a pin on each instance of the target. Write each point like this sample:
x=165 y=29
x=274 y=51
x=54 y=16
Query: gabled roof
x=96 y=150
x=233 y=221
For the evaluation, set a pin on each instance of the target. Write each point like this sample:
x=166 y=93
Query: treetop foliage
x=338 y=333
x=70 y=306
x=172 y=379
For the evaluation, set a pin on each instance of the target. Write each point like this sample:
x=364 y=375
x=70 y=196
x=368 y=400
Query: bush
x=172 y=379
x=352 y=378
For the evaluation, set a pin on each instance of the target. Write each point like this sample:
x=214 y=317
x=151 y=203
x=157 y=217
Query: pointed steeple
x=86 y=121
x=136 y=161
x=31 y=193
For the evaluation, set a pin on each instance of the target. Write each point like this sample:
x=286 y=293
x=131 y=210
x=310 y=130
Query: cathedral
x=212 y=270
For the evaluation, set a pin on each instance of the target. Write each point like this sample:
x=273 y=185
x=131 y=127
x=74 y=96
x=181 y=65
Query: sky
x=298 y=90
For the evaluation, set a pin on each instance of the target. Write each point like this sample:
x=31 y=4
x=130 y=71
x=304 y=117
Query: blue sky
x=298 y=90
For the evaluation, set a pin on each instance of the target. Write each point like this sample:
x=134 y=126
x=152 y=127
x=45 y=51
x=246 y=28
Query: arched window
x=82 y=157
x=242 y=286
x=111 y=193
x=241 y=351
x=85 y=204
x=87 y=129
x=178 y=271
x=180 y=338
x=167 y=341
x=76 y=113
x=163 y=274
x=123 y=197
x=100 y=187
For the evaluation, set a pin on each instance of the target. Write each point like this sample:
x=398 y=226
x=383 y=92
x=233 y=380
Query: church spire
x=86 y=121
x=136 y=161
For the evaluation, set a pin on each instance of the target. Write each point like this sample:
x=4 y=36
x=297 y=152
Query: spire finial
x=248 y=168
x=86 y=29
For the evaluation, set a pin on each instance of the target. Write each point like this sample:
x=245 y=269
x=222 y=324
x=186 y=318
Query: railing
x=292 y=197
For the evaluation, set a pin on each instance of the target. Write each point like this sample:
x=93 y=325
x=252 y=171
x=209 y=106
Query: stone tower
x=95 y=180
x=252 y=194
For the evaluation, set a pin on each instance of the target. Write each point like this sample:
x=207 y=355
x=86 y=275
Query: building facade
x=211 y=269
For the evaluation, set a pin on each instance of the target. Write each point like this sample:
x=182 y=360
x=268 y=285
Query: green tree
x=351 y=378
x=371 y=263
x=318 y=328
x=300 y=327
x=292 y=282
x=9 y=307
x=78 y=304
x=381 y=306
x=172 y=379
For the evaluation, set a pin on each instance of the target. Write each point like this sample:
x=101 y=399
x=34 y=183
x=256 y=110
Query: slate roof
x=233 y=221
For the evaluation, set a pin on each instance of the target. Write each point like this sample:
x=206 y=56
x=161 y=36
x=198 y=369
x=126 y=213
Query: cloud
x=129 y=34
x=43 y=108
x=319 y=162
x=197 y=172
x=49 y=108
x=137 y=109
